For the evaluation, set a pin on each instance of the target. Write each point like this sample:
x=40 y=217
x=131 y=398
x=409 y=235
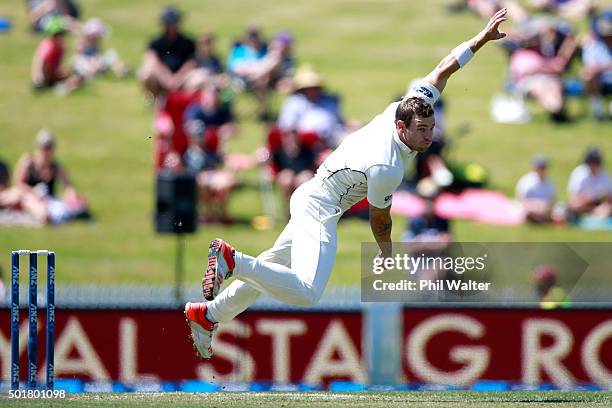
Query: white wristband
x=463 y=54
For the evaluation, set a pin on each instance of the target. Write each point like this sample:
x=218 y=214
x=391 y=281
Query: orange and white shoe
x=220 y=267
x=202 y=329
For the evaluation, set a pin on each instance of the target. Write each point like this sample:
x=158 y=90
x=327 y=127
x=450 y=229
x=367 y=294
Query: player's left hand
x=491 y=31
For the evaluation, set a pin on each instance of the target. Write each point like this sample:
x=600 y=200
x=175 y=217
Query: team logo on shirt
x=424 y=91
x=387 y=198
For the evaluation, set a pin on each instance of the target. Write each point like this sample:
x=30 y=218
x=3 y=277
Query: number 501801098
x=35 y=394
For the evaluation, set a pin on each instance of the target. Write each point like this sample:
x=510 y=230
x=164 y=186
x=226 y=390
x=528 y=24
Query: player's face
x=420 y=133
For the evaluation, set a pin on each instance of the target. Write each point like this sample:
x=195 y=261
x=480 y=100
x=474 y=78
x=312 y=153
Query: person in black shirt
x=169 y=58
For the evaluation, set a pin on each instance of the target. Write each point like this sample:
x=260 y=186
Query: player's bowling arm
x=381 y=223
x=461 y=55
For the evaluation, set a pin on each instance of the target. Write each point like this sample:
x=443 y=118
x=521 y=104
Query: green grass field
x=331 y=400
x=368 y=51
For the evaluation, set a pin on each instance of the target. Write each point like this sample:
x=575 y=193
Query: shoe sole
x=210 y=276
x=194 y=329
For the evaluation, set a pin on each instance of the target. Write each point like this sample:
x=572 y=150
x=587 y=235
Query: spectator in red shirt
x=47 y=63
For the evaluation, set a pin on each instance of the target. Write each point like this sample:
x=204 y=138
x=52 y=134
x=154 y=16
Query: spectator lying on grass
x=36 y=177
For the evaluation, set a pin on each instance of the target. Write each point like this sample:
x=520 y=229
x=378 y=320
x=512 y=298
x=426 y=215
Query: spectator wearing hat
x=169 y=58
x=91 y=59
x=590 y=187
x=550 y=295
x=311 y=110
x=536 y=192
x=597 y=60
x=37 y=176
x=47 y=69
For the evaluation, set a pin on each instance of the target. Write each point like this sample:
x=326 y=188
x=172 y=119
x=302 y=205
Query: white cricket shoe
x=202 y=329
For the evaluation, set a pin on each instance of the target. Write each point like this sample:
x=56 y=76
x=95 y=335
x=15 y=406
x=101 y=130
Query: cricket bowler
x=368 y=163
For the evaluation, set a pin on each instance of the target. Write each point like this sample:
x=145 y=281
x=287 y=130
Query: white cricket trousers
x=296 y=269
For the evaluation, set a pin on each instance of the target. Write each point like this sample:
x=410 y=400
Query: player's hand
x=491 y=31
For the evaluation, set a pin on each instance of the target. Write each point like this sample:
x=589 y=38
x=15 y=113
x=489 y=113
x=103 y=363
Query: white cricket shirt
x=368 y=163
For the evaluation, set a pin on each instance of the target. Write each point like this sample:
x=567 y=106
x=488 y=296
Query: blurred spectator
x=428 y=228
x=536 y=192
x=4 y=176
x=90 y=59
x=244 y=53
x=9 y=197
x=2 y=286
x=209 y=123
x=597 y=60
x=550 y=295
x=486 y=8
x=4 y=184
x=41 y=11
x=36 y=177
x=169 y=58
x=47 y=62
x=206 y=57
x=573 y=9
x=281 y=62
x=296 y=160
x=312 y=110
x=261 y=69
x=590 y=187
x=536 y=68
x=211 y=111
x=428 y=233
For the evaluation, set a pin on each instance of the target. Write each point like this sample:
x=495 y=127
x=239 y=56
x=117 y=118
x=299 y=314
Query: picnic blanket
x=491 y=207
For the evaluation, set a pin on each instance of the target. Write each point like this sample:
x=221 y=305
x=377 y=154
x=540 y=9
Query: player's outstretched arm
x=461 y=55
